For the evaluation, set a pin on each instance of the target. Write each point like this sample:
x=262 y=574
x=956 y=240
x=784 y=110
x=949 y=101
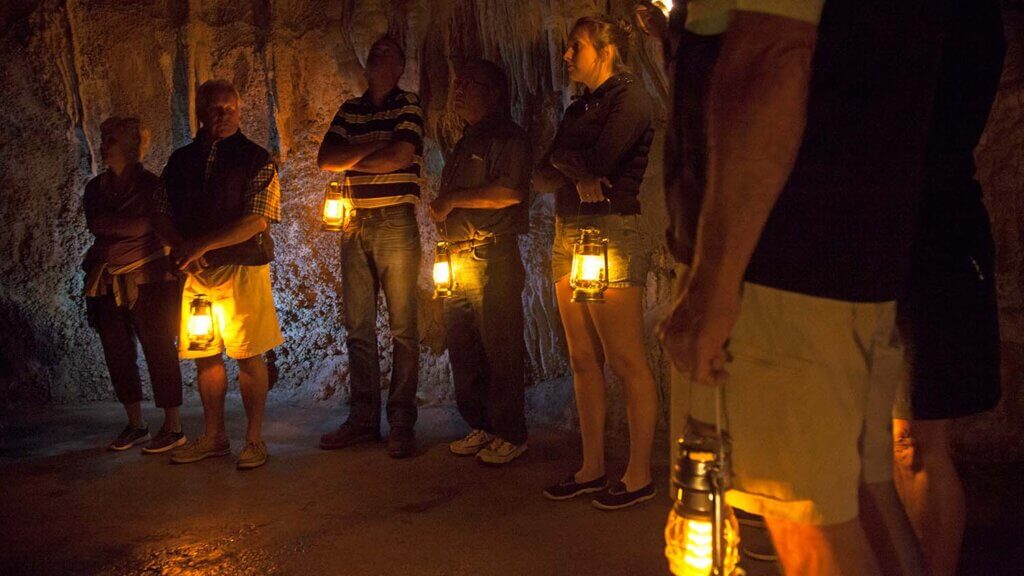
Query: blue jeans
x=484 y=324
x=380 y=248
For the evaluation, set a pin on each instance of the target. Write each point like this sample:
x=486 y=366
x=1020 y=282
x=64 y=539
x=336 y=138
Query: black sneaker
x=165 y=440
x=616 y=497
x=129 y=437
x=401 y=442
x=570 y=488
x=348 y=434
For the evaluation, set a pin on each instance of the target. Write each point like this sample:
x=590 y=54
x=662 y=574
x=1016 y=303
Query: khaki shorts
x=807 y=404
x=243 y=305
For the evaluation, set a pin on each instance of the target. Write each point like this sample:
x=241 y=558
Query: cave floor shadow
x=69 y=506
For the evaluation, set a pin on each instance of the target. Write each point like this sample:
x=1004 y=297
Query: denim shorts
x=628 y=262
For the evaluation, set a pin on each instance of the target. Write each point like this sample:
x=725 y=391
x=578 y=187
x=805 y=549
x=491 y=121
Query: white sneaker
x=471 y=444
x=500 y=452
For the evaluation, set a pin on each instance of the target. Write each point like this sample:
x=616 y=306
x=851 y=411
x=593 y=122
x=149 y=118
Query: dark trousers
x=380 y=248
x=154 y=322
x=484 y=324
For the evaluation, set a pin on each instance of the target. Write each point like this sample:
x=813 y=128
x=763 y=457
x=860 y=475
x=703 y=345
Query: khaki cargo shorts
x=243 y=306
x=807 y=404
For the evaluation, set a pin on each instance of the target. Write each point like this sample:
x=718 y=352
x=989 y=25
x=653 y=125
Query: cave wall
x=67 y=64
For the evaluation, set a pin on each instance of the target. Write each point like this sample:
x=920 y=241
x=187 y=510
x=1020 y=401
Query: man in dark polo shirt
x=480 y=211
x=796 y=227
x=376 y=140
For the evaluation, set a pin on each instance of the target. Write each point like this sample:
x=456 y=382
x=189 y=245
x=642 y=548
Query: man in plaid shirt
x=220 y=193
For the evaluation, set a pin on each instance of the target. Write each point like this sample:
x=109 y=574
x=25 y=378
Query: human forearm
x=236 y=232
x=489 y=196
x=757 y=114
x=337 y=157
x=390 y=156
x=189 y=253
x=112 y=226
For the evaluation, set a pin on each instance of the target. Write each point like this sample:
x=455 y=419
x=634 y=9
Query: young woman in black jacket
x=595 y=166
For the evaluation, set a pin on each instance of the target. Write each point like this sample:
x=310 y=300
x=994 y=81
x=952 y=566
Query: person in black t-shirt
x=948 y=317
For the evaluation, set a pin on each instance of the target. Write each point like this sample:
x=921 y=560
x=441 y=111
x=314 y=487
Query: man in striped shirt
x=376 y=140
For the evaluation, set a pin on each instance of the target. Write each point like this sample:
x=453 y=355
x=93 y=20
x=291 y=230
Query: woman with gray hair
x=130 y=288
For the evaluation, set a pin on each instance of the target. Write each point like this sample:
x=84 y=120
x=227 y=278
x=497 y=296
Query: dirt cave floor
x=69 y=506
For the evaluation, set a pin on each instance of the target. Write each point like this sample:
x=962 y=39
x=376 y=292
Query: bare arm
x=336 y=155
x=757 y=114
x=390 y=156
x=490 y=196
x=113 y=226
x=192 y=250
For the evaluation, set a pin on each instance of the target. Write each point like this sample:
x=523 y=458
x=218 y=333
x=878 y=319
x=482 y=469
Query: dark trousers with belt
x=380 y=248
x=484 y=322
x=153 y=320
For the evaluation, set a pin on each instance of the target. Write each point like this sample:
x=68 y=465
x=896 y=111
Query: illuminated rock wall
x=68 y=65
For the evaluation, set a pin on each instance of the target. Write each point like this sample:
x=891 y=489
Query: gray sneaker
x=500 y=452
x=199 y=449
x=164 y=440
x=253 y=455
x=129 y=437
x=472 y=443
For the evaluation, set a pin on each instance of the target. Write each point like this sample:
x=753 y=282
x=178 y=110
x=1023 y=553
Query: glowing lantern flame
x=201 y=330
x=589 y=274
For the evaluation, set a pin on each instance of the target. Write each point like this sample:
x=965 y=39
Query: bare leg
x=253 y=383
x=587 y=360
x=172 y=418
x=889 y=531
x=134 y=413
x=213 y=385
x=834 y=550
x=619 y=323
x=930 y=488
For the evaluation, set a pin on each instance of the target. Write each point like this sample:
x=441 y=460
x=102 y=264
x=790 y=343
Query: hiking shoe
x=500 y=452
x=401 y=442
x=474 y=442
x=164 y=440
x=616 y=497
x=253 y=455
x=199 y=449
x=129 y=437
x=570 y=488
x=348 y=434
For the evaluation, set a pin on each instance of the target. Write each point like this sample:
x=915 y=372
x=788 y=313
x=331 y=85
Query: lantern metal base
x=331 y=227
x=585 y=297
x=443 y=293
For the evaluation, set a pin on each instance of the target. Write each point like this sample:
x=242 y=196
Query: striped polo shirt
x=400 y=118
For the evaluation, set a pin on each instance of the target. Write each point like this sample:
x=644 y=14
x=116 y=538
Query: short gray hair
x=130 y=133
x=211 y=87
